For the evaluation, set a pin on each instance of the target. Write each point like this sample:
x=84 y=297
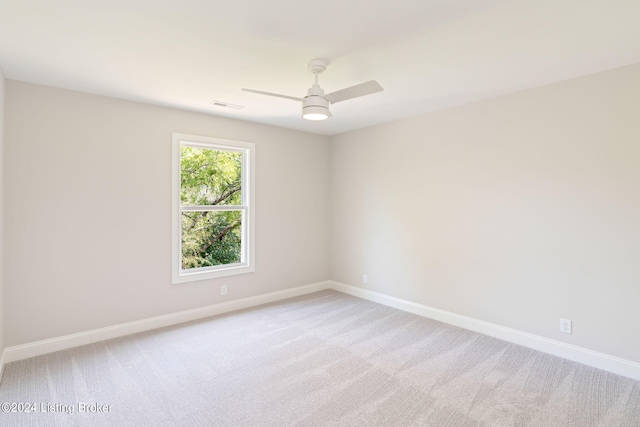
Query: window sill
x=211 y=273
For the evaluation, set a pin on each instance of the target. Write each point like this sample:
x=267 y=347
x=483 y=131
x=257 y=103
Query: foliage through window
x=214 y=207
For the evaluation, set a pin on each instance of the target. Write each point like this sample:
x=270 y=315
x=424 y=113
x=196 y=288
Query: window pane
x=210 y=177
x=211 y=238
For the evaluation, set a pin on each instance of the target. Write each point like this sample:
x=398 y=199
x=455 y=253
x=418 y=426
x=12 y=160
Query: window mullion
x=211 y=208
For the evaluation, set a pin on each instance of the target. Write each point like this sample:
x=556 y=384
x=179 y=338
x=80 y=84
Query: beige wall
x=517 y=210
x=2 y=304
x=89 y=210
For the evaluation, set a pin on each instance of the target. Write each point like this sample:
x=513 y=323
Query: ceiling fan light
x=315 y=107
x=315 y=113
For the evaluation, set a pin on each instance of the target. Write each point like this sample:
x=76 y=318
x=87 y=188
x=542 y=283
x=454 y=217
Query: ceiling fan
x=315 y=106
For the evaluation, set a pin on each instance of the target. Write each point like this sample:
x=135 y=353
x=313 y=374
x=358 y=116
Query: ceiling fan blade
x=271 y=94
x=362 y=89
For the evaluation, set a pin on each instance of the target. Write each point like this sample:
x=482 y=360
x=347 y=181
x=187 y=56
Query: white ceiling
x=427 y=54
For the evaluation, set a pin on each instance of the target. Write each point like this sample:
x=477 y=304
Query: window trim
x=248 y=208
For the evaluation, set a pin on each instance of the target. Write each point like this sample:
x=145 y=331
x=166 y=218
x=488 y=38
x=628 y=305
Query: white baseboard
x=582 y=355
x=24 y=351
x=585 y=356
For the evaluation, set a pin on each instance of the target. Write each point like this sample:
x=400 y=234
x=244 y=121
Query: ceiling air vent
x=226 y=105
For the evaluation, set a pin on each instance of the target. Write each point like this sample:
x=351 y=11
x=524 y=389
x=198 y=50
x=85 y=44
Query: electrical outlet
x=365 y=279
x=565 y=326
x=223 y=290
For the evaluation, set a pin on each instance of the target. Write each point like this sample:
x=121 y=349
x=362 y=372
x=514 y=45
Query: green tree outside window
x=210 y=177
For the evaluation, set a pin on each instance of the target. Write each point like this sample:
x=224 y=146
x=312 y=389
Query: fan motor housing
x=314 y=101
x=315 y=104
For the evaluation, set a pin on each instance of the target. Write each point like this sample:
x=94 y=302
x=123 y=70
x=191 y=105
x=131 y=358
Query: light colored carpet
x=324 y=359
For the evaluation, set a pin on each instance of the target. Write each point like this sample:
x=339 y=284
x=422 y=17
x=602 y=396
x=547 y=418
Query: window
x=212 y=208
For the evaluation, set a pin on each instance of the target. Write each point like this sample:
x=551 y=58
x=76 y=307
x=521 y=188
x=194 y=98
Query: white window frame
x=247 y=264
